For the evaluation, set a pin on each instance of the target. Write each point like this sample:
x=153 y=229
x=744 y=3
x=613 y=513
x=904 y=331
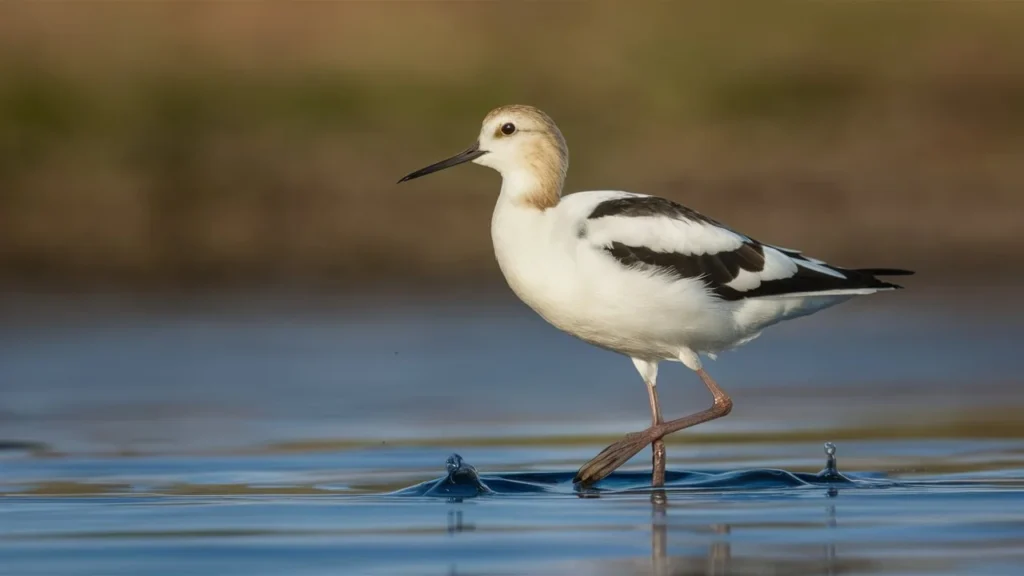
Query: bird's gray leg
x=649 y=372
x=620 y=452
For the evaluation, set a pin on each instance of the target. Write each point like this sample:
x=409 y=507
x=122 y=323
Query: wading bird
x=636 y=274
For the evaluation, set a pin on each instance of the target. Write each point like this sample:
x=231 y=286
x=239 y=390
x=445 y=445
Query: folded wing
x=662 y=237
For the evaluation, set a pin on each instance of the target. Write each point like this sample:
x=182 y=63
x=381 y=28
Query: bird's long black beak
x=471 y=153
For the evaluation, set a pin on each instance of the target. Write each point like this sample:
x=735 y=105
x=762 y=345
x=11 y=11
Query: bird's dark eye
x=508 y=128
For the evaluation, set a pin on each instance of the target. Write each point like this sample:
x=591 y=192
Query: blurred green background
x=209 y=145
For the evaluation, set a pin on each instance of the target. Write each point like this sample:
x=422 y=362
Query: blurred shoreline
x=164 y=147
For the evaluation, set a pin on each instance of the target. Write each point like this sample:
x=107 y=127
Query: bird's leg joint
x=722 y=406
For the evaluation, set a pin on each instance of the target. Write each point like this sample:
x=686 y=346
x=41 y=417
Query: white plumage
x=637 y=274
x=647 y=312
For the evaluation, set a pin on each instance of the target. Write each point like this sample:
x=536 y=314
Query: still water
x=301 y=436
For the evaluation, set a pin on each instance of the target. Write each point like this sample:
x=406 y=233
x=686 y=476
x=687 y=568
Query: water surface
x=281 y=436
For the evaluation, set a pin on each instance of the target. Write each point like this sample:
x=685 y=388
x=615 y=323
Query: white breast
x=537 y=270
x=582 y=291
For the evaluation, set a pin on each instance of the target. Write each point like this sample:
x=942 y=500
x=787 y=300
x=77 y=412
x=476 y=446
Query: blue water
x=304 y=437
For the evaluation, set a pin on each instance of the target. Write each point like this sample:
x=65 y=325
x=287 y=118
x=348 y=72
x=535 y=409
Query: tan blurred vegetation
x=191 y=144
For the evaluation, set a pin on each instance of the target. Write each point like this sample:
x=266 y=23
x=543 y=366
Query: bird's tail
x=870 y=275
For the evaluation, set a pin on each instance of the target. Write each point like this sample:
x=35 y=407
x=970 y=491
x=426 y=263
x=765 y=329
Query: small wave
x=464 y=481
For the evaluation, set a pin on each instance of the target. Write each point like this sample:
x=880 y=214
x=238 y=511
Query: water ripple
x=462 y=480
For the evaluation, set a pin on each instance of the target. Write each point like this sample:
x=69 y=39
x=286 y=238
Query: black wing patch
x=646 y=206
x=717 y=270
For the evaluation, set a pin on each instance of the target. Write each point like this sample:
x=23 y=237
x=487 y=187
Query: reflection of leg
x=620 y=452
x=659 y=534
x=720 y=553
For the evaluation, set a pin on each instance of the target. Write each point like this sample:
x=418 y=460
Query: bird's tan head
x=525 y=146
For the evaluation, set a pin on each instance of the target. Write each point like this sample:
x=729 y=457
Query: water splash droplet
x=831 y=472
x=453 y=463
x=462 y=481
x=830 y=465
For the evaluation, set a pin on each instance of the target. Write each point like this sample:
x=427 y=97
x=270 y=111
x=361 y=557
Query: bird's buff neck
x=533 y=189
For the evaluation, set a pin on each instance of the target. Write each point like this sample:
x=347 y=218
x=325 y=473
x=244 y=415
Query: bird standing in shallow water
x=636 y=274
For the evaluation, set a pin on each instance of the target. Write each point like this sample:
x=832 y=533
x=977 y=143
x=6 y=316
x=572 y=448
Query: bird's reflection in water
x=659 y=532
x=719 y=554
x=719 y=560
